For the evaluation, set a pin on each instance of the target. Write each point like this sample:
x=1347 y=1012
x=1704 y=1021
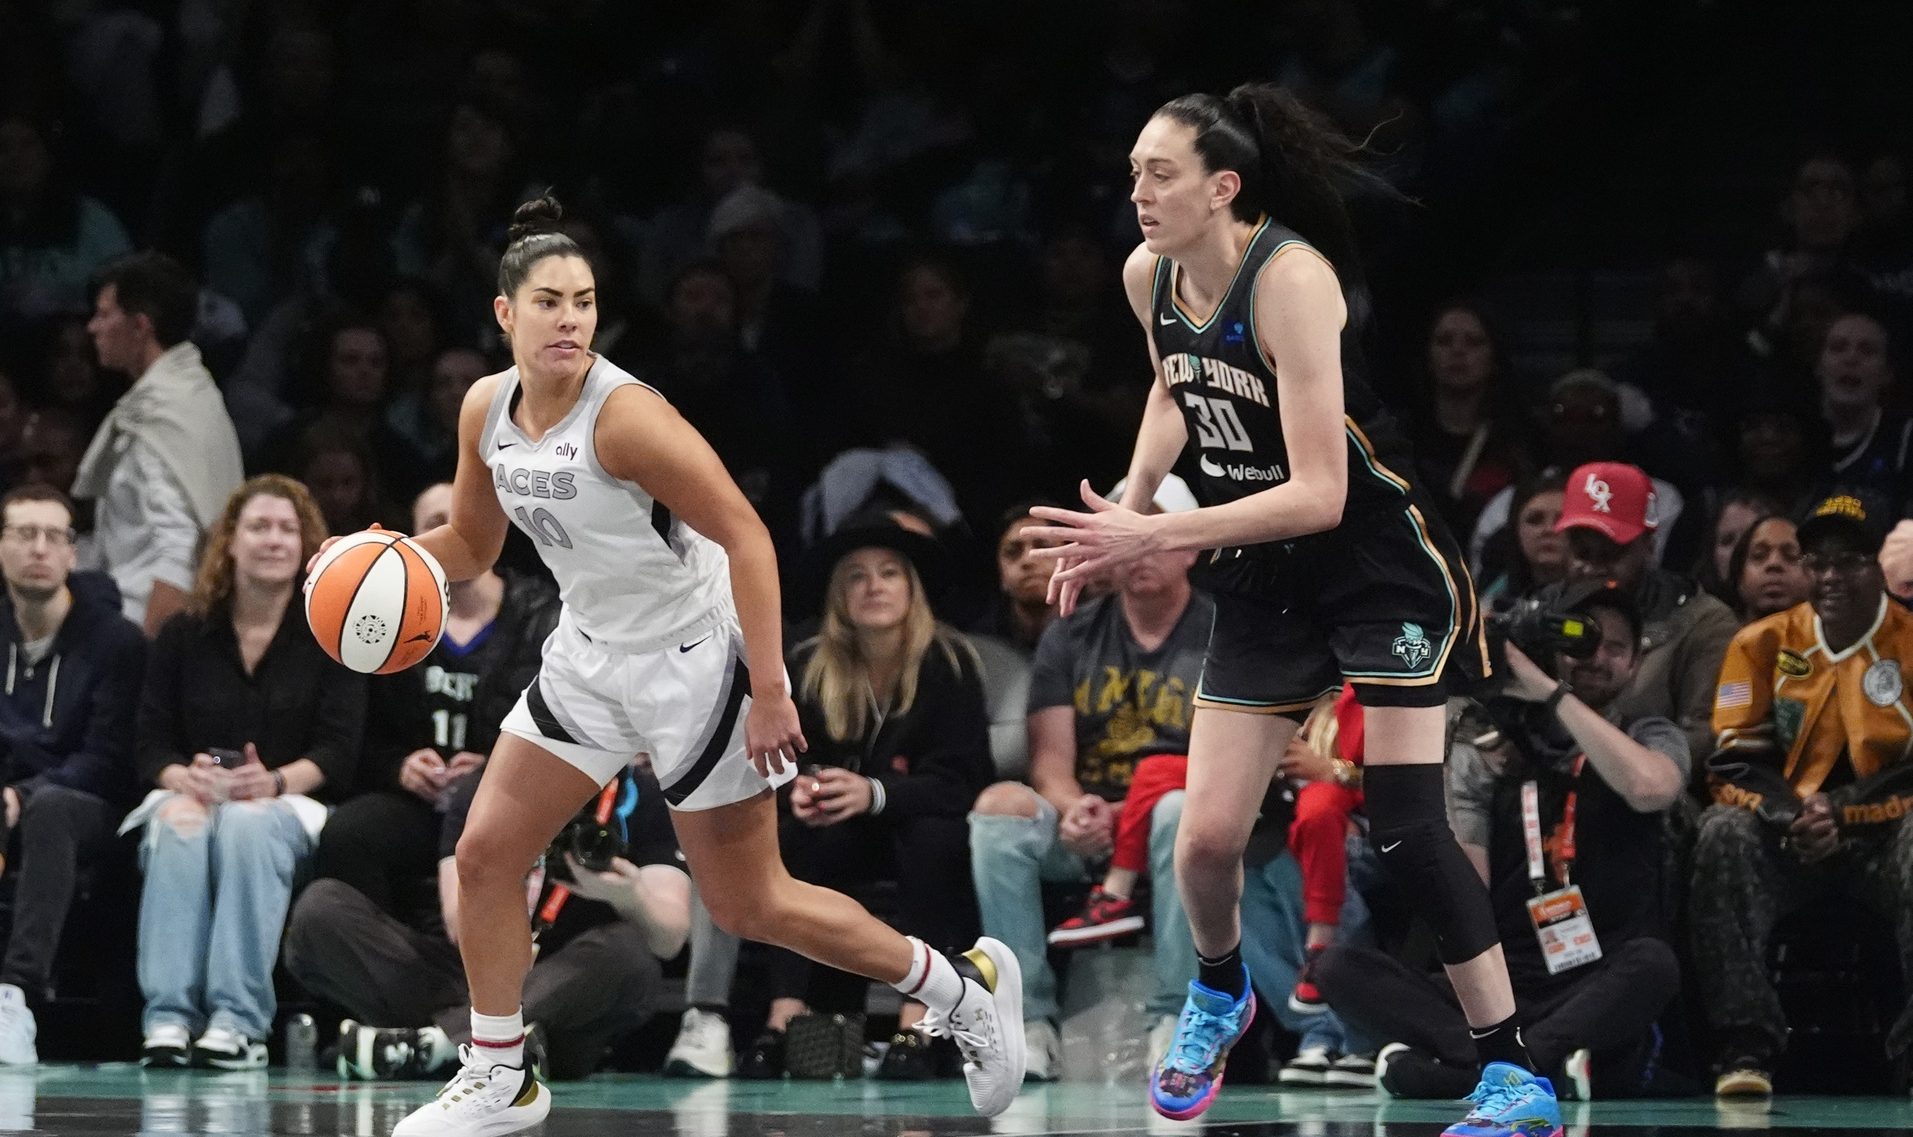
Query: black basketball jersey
x=1224 y=384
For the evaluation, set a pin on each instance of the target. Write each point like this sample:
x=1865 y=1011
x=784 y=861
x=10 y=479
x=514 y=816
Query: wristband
x=278 y=783
x=1553 y=702
x=878 y=799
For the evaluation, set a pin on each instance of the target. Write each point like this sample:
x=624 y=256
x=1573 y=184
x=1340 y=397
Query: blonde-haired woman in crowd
x=892 y=703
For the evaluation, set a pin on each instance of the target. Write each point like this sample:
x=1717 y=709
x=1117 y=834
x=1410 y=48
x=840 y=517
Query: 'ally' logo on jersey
x=567 y=450
x=1413 y=646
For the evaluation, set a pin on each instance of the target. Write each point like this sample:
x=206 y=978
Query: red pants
x=1155 y=776
x=1317 y=837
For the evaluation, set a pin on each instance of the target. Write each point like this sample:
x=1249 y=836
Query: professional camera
x=598 y=834
x=1542 y=627
x=1545 y=627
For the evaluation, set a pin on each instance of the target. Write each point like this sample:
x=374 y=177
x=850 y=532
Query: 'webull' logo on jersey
x=535 y=483
x=1237 y=472
x=1185 y=367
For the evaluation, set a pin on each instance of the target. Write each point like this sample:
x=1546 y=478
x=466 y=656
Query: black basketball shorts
x=1383 y=600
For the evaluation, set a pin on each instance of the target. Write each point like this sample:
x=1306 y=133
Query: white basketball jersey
x=633 y=577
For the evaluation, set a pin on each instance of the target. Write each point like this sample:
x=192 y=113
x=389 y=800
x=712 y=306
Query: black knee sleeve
x=1408 y=828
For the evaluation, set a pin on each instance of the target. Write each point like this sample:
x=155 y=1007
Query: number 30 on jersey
x=1217 y=426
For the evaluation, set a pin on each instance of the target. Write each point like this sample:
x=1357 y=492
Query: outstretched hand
x=1088 y=545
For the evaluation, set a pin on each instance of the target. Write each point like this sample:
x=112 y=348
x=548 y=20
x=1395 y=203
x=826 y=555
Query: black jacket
x=296 y=704
x=68 y=720
x=399 y=710
x=932 y=760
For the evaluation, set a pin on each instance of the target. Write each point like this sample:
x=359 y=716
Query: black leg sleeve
x=1408 y=826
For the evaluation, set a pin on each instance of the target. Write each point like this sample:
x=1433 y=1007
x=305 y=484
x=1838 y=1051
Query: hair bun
x=539 y=215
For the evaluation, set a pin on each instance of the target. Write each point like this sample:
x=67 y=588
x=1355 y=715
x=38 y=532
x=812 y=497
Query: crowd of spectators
x=883 y=285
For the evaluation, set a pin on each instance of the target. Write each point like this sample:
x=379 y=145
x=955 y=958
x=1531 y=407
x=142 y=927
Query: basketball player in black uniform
x=1326 y=561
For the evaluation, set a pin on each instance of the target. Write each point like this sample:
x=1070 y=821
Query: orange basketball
x=376 y=602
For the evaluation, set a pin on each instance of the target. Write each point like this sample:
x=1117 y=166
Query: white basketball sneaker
x=17 y=1028
x=481 y=1100
x=987 y=1025
x=703 y=1047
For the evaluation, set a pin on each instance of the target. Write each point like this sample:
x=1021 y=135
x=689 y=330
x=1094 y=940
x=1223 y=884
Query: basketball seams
x=353 y=600
x=390 y=615
x=406 y=651
x=333 y=635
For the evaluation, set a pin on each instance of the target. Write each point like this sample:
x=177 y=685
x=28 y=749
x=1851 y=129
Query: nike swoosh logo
x=502 y=445
x=687 y=647
x=1165 y=320
x=1391 y=848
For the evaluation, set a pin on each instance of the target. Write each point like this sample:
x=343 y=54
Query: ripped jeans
x=211 y=914
x=1012 y=857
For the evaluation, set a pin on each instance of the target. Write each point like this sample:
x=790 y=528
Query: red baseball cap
x=1612 y=498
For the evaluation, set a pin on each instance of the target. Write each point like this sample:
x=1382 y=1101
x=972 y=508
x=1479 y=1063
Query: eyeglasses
x=30 y=534
x=1817 y=563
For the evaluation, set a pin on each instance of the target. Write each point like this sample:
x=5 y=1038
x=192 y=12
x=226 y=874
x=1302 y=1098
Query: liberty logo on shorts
x=1413 y=646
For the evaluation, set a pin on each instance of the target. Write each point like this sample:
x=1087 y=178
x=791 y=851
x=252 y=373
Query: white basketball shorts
x=684 y=705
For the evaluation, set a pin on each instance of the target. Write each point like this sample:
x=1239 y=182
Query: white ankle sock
x=500 y=1038
x=932 y=979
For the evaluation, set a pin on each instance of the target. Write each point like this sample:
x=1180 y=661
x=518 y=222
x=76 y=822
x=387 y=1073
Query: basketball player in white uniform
x=670 y=644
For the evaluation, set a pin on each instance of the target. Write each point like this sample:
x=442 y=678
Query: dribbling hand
x=327 y=544
x=773 y=737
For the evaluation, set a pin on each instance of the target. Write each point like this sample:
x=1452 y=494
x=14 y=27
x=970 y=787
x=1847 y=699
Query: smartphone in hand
x=226 y=759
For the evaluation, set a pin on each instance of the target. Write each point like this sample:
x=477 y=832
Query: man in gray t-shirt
x=1112 y=684
x=1127 y=699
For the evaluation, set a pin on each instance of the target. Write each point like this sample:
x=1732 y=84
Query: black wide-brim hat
x=925 y=554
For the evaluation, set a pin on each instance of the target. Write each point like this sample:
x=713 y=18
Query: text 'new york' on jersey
x=1223 y=381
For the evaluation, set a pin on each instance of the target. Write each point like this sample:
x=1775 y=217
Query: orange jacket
x=1787 y=705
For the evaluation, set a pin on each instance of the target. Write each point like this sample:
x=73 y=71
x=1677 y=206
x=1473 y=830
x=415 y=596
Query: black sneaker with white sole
x=223 y=1049
x=378 y=1054
x=1351 y=1072
x=167 y=1047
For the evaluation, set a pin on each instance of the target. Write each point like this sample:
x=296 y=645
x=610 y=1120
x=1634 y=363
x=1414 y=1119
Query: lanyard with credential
x=1531 y=831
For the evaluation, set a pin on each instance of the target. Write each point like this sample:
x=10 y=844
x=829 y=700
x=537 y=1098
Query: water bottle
x=302 y=1043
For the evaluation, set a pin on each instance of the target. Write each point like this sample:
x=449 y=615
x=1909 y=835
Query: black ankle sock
x=1502 y=1043
x=1225 y=974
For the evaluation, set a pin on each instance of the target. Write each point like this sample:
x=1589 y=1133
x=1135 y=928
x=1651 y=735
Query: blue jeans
x=211 y=915
x=1274 y=934
x=1011 y=858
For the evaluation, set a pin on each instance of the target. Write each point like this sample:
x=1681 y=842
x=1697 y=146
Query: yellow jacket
x=1786 y=700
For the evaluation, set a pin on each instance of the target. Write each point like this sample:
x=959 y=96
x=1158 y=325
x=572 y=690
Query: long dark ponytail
x=1295 y=165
